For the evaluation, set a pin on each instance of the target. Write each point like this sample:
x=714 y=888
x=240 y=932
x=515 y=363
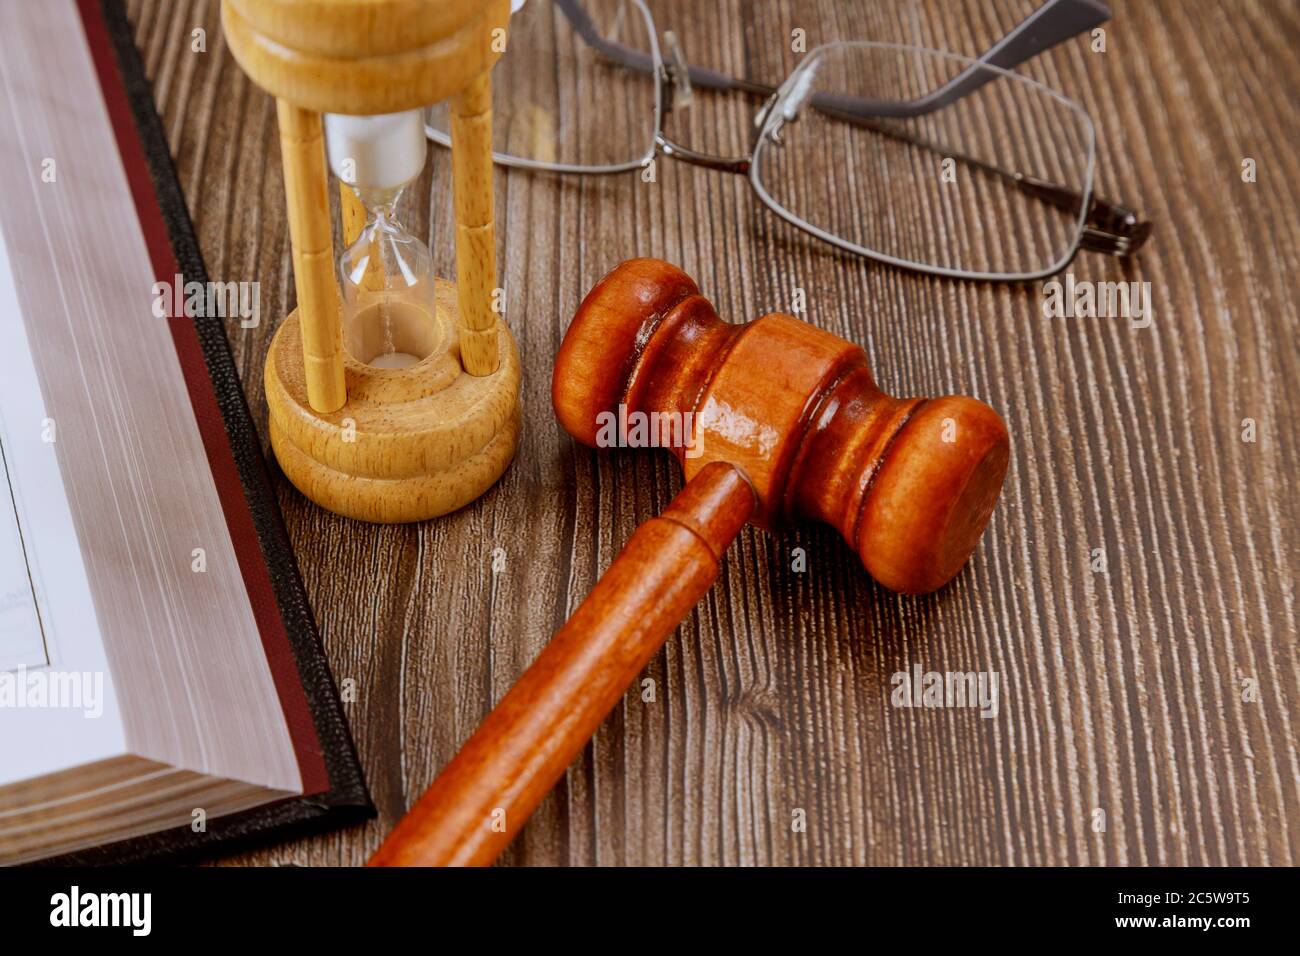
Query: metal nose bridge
x=667 y=89
x=726 y=164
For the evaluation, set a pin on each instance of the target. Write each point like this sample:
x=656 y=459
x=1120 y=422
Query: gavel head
x=910 y=483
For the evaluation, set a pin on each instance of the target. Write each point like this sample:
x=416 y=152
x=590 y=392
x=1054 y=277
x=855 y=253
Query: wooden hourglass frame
x=384 y=444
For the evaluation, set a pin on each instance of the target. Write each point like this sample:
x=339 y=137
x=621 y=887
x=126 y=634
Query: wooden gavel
x=786 y=423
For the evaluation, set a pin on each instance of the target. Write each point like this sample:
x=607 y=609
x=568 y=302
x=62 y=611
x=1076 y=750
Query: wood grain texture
x=1121 y=690
x=476 y=266
x=484 y=796
x=325 y=58
x=302 y=151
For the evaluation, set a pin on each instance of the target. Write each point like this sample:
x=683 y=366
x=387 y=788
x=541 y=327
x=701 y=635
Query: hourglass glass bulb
x=387 y=285
x=387 y=274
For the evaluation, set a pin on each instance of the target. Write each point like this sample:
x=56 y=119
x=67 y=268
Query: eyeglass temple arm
x=1109 y=227
x=1052 y=23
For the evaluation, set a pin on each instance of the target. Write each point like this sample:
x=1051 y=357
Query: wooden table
x=1161 y=692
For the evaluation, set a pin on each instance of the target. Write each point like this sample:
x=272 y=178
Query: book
x=163 y=691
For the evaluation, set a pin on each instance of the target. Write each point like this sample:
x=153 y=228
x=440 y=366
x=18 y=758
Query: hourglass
x=393 y=394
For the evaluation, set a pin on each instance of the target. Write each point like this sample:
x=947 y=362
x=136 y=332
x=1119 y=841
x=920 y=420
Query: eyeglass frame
x=1104 y=225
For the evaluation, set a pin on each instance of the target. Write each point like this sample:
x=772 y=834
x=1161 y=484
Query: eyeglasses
x=912 y=157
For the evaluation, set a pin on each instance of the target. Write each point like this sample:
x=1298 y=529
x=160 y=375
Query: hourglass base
x=410 y=443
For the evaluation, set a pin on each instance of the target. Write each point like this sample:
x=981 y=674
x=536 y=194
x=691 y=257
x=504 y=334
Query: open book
x=158 y=671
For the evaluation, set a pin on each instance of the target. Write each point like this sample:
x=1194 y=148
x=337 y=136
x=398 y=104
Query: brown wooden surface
x=486 y=794
x=1122 y=691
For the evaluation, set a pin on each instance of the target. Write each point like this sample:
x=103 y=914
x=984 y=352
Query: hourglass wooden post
x=311 y=235
x=377 y=443
x=471 y=142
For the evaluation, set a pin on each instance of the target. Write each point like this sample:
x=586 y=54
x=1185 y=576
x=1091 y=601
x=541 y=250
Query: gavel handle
x=486 y=794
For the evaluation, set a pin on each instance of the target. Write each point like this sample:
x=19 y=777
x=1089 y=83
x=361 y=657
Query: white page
x=49 y=634
x=22 y=631
x=22 y=634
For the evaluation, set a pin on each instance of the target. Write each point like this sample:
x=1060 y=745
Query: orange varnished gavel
x=786 y=424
